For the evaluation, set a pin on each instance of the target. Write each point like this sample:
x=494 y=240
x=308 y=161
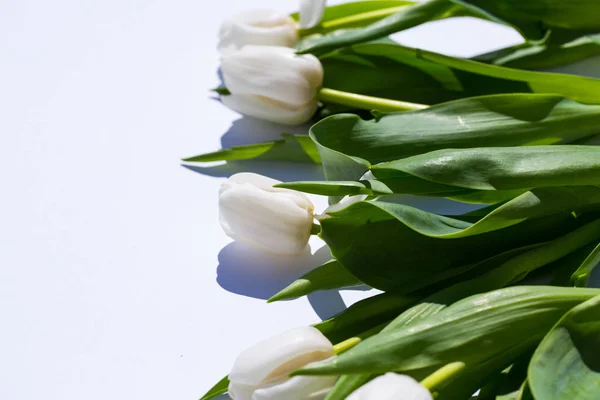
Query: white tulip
x=311 y=13
x=272 y=83
x=252 y=211
x=391 y=386
x=260 y=27
x=261 y=371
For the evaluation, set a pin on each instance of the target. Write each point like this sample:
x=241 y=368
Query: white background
x=116 y=280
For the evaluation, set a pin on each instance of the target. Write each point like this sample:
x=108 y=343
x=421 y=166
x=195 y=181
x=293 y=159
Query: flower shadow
x=283 y=171
x=254 y=273
x=248 y=130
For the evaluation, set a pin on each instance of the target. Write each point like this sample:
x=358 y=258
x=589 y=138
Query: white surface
x=116 y=281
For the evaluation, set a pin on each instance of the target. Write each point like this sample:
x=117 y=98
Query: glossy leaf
x=331 y=275
x=349 y=145
x=461 y=77
x=397 y=247
x=448 y=172
x=536 y=19
x=365 y=315
x=566 y=365
x=404 y=19
x=471 y=330
x=298 y=148
x=355 y=14
x=581 y=275
x=217 y=390
x=544 y=56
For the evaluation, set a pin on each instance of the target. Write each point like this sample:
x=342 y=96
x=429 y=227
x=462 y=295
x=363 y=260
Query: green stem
x=350 y=21
x=366 y=102
x=443 y=375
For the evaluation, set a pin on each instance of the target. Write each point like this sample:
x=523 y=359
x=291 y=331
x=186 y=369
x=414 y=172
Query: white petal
x=266 y=183
x=391 y=387
x=311 y=13
x=252 y=211
x=276 y=73
x=297 y=388
x=262 y=108
x=258 y=27
x=275 y=358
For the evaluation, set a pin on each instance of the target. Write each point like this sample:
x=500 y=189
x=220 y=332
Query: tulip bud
x=391 y=386
x=272 y=83
x=259 y=27
x=311 y=13
x=261 y=371
x=252 y=211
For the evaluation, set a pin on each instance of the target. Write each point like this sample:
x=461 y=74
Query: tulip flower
x=391 y=386
x=252 y=211
x=272 y=83
x=261 y=371
x=311 y=12
x=257 y=27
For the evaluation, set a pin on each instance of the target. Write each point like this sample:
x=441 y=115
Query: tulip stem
x=366 y=102
x=443 y=375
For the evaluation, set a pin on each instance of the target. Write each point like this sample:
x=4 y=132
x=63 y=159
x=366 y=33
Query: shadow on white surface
x=253 y=273
x=247 y=130
x=327 y=303
x=283 y=171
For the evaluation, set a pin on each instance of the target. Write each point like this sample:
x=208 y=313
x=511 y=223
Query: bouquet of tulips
x=454 y=317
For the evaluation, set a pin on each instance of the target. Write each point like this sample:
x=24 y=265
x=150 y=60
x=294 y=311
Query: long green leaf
x=296 y=148
x=349 y=145
x=365 y=315
x=397 y=247
x=407 y=17
x=536 y=19
x=566 y=365
x=217 y=390
x=355 y=14
x=331 y=275
x=544 y=56
x=447 y=172
x=467 y=77
x=471 y=330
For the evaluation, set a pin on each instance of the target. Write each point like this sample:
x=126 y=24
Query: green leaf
x=298 y=148
x=566 y=365
x=365 y=315
x=581 y=275
x=501 y=168
x=471 y=330
x=349 y=145
x=447 y=172
x=453 y=77
x=396 y=247
x=407 y=17
x=544 y=56
x=355 y=14
x=535 y=19
x=217 y=390
x=331 y=275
